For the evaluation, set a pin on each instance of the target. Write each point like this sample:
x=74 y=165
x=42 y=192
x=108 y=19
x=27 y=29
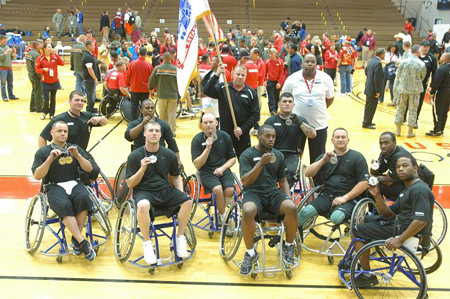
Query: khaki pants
x=106 y=33
x=167 y=110
x=366 y=55
x=260 y=92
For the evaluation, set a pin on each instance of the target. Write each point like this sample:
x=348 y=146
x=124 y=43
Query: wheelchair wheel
x=238 y=186
x=121 y=190
x=179 y=108
x=190 y=236
x=192 y=188
x=99 y=213
x=231 y=233
x=393 y=281
x=363 y=207
x=310 y=196
x=440 y=223
x=125 y=109
x=105 y=191
x=125 y=232
x=35 y=223
x=432 y=260
x=307 y=183
x=108 y=106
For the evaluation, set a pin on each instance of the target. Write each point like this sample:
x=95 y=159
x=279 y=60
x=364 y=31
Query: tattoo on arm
x=308 y=130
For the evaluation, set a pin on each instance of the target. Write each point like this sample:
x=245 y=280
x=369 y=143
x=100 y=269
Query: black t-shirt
x=62 y=169
x=79 y=129
x=415 y=203
x=340 y=178
x=166 y=135
x=287 y=137
x=431 y=64
x=389 y=162
x=270 y=174
x=89 y=58
x=155 y=176
x=222 y=150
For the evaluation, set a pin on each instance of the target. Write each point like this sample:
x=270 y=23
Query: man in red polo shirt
x=274 y=80
x=137 y=77
x=228 y=60
x=89 y=36
x=116 y=81
x=256 y=58
x=252 y=70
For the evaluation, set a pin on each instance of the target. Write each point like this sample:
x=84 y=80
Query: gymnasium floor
x=26 y=276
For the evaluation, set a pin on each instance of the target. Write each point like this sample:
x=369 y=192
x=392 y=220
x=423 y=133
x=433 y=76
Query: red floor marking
x=25 y=187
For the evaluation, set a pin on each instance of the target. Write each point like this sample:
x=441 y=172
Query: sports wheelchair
x=127 y=229
x=270 y=229
x=207 y=203
x=110 y=104
x=104 y=191
x=121 y=190
x=39 y=218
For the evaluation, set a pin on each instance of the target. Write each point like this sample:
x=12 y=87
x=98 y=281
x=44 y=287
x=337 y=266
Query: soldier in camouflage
x=58 y=19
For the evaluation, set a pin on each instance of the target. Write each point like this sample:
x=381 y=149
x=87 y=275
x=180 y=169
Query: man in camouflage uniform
x=408 y=85
x=36 y=101
x=58 y=19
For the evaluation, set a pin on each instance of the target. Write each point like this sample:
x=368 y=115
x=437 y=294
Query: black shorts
x=375 y=227
x=323 y=205
x=167 y=201
x=68 y=205
x=209 y=180
x=269 y=202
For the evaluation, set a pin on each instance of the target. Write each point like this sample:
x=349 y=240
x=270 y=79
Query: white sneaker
x=149 y=253
x=182 y=247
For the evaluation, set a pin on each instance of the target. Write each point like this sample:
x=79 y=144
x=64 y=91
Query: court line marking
x=199 y=283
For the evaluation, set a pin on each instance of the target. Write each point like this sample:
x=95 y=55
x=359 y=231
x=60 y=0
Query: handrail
x=403 y=4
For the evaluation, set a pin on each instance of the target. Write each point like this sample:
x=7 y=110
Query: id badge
x=50 y=72
x=310 y=102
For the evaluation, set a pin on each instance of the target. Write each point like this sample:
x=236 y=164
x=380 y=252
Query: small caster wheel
x=289 y=274
x=59 y=259
x=254 y=275
x=331 y=260
x=210 y=234
x=180 y=265
x=346 y=230
x=96 y=250
x=151 y=271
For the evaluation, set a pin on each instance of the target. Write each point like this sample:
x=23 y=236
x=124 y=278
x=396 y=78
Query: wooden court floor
x=25 y=276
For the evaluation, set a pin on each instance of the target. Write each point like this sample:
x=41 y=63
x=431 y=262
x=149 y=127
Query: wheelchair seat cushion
x=269 y=203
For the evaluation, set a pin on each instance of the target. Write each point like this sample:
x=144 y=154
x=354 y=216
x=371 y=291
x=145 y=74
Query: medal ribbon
x=312 y=83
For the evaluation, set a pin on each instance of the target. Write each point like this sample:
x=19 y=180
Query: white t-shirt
x=312 y=106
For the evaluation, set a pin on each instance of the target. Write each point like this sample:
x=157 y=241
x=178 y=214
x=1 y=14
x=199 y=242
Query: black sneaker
x=288 y=255
x=76 y=246
x=89 y=253
x=247 y=264
x=434 y=134
x=363 y=281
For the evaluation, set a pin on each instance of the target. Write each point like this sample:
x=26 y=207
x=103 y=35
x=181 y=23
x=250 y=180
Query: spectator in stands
x=58 y=19
x=408 y=27
x=76 y=57
x=7 y=54
x=331 y=58
x=90 y=36
x=104 y=25
x=137 y=21
x=274 y=80
x=368 y=45
x=407 y=37
x=391 y=59
x=3 y=31
x=80 y=20
x=46 y=32
x=156 y=51
x=118 y=23
x=346 y=64
x=35 y=79
x=91 y=75
x=72 y=23
x=284 y=27
x=295 y=63
x=261 y=42
x=47 y=66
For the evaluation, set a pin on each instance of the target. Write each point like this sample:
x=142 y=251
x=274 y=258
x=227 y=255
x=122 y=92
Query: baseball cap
x=245 y=53
x=425 y=43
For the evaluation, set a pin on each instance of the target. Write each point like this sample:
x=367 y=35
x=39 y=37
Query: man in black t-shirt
x=387 y=163
x=261 y=168
x=91 y=74
x=411 y=214
x=290 y=130
x=147 y=170
x=135 y=129
x=79 y=123
x=345 y=173
x=57 y=165
x=213 y=155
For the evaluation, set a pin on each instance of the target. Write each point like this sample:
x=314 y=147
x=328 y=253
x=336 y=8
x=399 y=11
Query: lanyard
x=312 y=83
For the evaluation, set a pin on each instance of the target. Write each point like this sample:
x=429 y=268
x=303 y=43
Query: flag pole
x=233 y=117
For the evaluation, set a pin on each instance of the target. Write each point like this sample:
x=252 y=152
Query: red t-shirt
x=330 y=59
x=51 y=75
x=347 y=54
x=138 y=74
x=303 y=47
x=278 y=43
x=252 y=74
x=229 y=62
x=116 y=80
x=261 y=71
x=203 y=69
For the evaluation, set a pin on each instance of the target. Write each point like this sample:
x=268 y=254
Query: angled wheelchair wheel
x=307 y=183
x=35 y=223
x=100 y=213
x=432 y=260
x=190 y=236
x=108 y=106
x=125 y=109
x=238 y=186
x=192 y=188
x=440 y=223
x=125 y=231
x=393 y=281
x=121 y=190
x=231 y=233
x=105 y=191
x=364 y=207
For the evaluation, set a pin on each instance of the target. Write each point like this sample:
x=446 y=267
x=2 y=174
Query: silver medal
x=273 y=159
x=288 y=122
x=214 y=136
x=373 y=181
x=333 y=160
x=153 y=159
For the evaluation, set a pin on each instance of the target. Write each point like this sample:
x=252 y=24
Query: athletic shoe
x=14 y=98
x=434 y=134
x=289 y=258
x=149 y=253
x=5 y=100
x=363 y=281
x=76 y=246
x=89 y=253
x=182 y=247
x=247 y=264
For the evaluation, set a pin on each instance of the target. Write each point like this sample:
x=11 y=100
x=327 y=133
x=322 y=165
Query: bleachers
x=381 y=16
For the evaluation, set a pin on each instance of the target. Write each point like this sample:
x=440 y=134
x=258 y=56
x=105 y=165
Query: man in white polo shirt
x=313 y=92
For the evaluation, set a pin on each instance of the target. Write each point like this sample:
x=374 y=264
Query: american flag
x=210 y=23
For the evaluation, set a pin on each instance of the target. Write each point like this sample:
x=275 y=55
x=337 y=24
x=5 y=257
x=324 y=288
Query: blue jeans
x=79 y=84
x=346 y=78
x=6 y=77
x=80 y=28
